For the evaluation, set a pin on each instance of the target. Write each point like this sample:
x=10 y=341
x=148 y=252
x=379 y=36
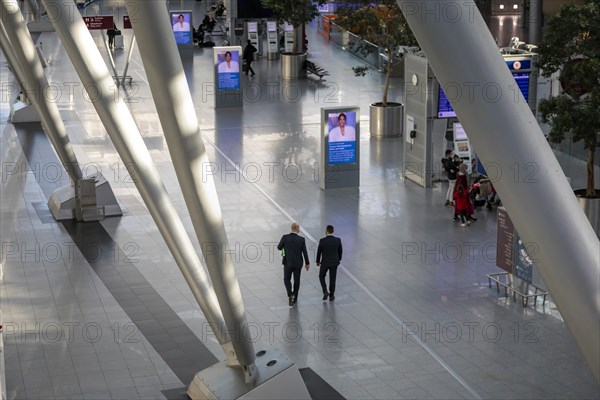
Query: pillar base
x=63 y=204
x=276 y=378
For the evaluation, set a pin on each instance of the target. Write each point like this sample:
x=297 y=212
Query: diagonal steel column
x=173 y=100
x=11 y=57
x=128 y=141
x=34 y=79
x=508 y=139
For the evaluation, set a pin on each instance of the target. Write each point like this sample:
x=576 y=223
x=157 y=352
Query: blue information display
x=182 y=27
x=522 y=80
x=341 y=138
x=445 y=109
x=228 y=70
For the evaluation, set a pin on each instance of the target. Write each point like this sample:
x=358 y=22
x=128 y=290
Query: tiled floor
x=101 y=310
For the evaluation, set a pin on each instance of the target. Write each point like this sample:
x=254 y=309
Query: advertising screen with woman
x=341 y=138
x=182 y=27
x=228 y=69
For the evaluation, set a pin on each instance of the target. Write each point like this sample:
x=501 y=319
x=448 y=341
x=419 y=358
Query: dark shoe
x=291 y=301
x=325 y=296
x=455 y=219
x=295 y=301
x=331 y=297
x=472 y=219
x=253 y=74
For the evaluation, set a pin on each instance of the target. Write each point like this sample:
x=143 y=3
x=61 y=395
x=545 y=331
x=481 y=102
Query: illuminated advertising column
x=340 y=148
x=228 y=92
x=272 y=41
x=181 y=22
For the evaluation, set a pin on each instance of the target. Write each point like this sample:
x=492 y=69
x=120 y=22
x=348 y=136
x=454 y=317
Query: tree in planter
x=571 y=44
x=294 y=12
x=382 y=24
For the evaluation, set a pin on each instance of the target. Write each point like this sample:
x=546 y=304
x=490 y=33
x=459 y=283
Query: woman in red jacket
x=461 y=199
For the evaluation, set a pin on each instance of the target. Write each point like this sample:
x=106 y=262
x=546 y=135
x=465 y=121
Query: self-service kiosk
x=288 y=30
x=252 y=29
x=462 y=146
x=272 y=41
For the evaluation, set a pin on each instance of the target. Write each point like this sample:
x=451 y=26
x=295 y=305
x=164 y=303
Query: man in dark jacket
x=249 y=56
x=451 y=169
x=329 y=255
x=294 y=247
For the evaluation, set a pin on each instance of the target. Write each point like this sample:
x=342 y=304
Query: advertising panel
x=340 y=147
x=228 y=69
x=341 y=138
x=181 y=21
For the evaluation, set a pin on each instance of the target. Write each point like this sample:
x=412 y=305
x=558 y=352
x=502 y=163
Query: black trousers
x=332 y=276
x=248 y=63
x=287 y=277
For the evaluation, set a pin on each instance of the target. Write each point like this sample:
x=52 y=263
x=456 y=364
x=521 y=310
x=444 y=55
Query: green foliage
x=295 y=12
x=571 y=44
x=381 y=23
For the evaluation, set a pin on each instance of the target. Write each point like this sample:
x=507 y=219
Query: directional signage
x=99 y=23
x=126 y=22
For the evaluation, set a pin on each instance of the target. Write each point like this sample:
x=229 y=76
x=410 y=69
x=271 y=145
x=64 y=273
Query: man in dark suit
x=294 y=247
x=329 y=255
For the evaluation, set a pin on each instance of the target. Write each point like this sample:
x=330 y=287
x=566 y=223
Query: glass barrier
x=366 y=51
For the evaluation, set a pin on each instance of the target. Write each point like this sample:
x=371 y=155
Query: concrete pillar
x=175 y=107
x=128 y=142
x=536 y=17
x=35 y=82
x=517 y=157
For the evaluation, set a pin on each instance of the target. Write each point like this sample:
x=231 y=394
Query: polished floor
x=101 y=311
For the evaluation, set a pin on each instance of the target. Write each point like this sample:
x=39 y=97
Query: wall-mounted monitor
x=181 y=22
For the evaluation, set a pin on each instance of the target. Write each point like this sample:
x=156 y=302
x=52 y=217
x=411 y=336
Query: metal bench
x=517 y=286
x=314 y=69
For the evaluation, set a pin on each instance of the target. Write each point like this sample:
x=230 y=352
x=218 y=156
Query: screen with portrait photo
x=228 y=70
x=341 y=138
x=181 y=23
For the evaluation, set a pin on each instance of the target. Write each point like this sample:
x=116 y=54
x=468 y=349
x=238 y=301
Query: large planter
x=385 y=122
x=293 y=65
x=591 y=208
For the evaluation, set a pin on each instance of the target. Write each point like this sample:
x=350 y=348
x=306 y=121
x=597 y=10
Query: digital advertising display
x=341 y=138
x=340 y=147
x=181 y=22
x=228 y=69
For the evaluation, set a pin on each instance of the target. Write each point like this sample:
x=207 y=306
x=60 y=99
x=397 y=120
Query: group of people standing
x=458 y=196
x=295 y=255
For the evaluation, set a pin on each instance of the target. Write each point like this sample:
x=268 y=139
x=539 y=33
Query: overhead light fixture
x=502 y=6
x=515 y=6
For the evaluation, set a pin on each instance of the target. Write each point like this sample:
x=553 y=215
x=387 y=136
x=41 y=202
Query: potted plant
x=571 y=45
x=384 y=25
x=296 y=13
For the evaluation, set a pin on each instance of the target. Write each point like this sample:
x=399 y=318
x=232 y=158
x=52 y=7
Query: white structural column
x=128 y=142
x=35 y=83
x=509 y=141
x=175 y=107
x=11 y=57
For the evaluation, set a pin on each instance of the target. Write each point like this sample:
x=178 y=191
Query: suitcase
x=119 y=42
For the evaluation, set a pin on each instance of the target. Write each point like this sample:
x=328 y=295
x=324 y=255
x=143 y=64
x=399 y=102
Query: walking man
x=294 y=247
x=249 y=56
x=329 y=255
